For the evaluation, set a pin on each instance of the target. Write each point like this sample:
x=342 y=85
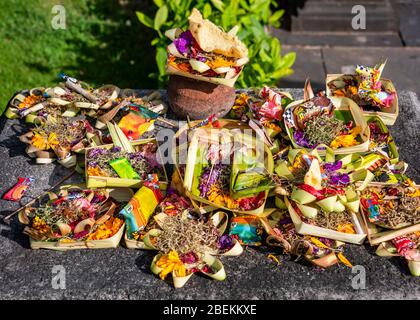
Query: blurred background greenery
x=104 y=42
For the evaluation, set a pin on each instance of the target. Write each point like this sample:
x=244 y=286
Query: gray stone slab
x=124 y=274
x=403 y=66
x=409 y=20
x=333 y=39
x=325 y=15
x=308 y=64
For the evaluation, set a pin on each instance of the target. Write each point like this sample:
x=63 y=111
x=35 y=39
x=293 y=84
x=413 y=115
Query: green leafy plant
x=253 y=17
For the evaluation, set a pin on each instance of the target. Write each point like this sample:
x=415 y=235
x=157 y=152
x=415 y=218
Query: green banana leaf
x=248 y=175
x=198 y=169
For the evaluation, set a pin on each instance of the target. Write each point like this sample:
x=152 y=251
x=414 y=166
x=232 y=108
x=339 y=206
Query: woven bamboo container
x=89 y=244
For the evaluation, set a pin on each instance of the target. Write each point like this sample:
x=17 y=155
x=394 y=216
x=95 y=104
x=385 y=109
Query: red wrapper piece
x=17 y=191
x=403 y=245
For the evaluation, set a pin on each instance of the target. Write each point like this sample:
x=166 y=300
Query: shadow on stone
x=144 y=261
x=14 y=232
x=14 y=146
x=401 y=264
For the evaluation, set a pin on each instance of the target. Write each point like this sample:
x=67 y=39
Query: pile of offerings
x=67 y=119
x=303 y=176
x=205 y=52
x=374 y=95
x=75 y=219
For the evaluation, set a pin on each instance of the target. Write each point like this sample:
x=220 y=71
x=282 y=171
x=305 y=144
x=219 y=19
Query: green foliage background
x=104 y=42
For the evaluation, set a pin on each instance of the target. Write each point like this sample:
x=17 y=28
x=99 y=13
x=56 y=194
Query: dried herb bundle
x=407 y=211
x=415 y=237
x=331 y=220
x=323 y=129
x=185 y=235
x=67 y=131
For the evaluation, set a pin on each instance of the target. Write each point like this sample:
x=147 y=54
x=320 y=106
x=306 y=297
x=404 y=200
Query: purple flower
x=332 y=166
x=326 y=241
x=189 y=257
x=301 y=140
x=286 y=220
x=184 y=41
x=338 y=179
x=115 y=149
x=136 y=156
x=207 y=180
x=92 y=164
x=225 y=242
x=152 y=160
x=93 y=153
x=201 y=58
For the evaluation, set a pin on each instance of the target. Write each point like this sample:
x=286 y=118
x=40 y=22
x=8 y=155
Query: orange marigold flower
x=353 y=90
x=171 y=262
x=347 y=140
x=29 y=101
x=241 y=99
x=39 y=141
x=96 y=172
x=219 y=62
x=216 y=195
x=346 y=228
x=40 y=225
x=272 y=126
x=107 y=229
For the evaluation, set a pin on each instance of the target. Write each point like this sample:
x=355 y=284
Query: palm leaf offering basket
x=308 y=229
x=206 y=137
x=387 y=115
x=218 y=218
x=346 y=110
x=181 y=142
x=379 y=234
x=392 y=152
x=122 y=142
x=120 y=194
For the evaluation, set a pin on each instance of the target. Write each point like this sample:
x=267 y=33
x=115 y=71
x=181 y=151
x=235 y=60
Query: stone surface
x=408 y=12
x=308 y=63
x=354 y=38
x=330 y=15
x=124 y=274
x=199 y=99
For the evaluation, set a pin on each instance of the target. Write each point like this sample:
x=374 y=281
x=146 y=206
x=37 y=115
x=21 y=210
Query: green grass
x=103 y=43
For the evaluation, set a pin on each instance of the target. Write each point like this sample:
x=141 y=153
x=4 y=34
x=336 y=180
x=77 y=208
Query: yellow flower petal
x=344 y=260
x=318 y=243
x=171 y=262
x=39 y=141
